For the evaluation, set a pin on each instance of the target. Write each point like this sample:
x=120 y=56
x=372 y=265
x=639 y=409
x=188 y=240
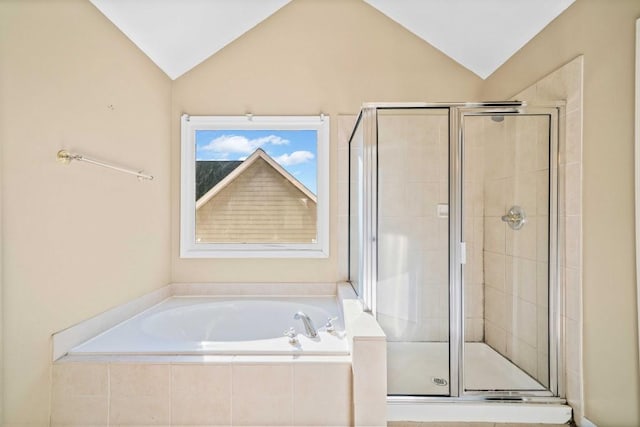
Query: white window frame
x=189 y=248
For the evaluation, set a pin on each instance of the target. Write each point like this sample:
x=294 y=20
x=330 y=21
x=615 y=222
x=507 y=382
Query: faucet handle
x=330 y=327
x=292 y=335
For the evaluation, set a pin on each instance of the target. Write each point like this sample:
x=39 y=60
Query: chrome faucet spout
x=308 y=324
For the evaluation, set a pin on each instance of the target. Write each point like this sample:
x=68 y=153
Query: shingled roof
x=211 y=172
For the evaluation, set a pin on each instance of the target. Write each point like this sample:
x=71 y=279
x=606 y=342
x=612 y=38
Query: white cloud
x=295 y=158
x=241 y=144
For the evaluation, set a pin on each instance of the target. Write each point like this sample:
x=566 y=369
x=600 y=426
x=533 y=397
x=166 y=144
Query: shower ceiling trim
x=480 y=35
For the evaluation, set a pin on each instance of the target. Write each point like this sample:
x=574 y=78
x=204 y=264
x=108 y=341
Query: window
x=254 y=186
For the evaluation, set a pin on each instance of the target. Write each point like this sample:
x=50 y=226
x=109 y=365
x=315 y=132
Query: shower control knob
x=515 y=218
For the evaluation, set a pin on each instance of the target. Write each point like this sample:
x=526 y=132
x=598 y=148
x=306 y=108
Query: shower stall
x=453 y=246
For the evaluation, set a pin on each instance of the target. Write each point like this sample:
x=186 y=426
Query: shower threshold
x=413 y=366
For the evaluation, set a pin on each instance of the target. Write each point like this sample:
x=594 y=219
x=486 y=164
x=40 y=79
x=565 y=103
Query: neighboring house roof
x=210 y=172
x=239 y=169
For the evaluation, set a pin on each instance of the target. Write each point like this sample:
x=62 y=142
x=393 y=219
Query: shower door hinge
x=463 y=253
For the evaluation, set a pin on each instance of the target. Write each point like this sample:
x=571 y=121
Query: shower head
x=497 y=119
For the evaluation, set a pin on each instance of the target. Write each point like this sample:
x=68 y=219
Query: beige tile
x=542 y=147
x=494 y=306
x=573 y=345
x=510 y=275
x=572 y=242
x=527 y=323
x=430 y=303
x=79 y=394
x=139 y=379
x=574 y=395
x=494 y=235
x=526 y=279
x=422 y=164
x=369 y=382
x=322 y=395
x=79 y=410
x=343 y=167
x=573 y=137
x=542 y=284
x=525 y=356
x=542 y=238
x=262 y=395
x=495 y=336
x=79 y=379
x=523 y=242
x=474 y=330
x=552 y=87
x=474 y=300
x=429 y=231
x=494 y=193
x=572 y=295
x=393 y=198
x=494 y=270
x=573 y=183
x=542 y=193
x=143 y=410
x=201 y=394
x=140 y=394
x=526 y=148
x=477 y=263
x=525 y=192
x=529 y=95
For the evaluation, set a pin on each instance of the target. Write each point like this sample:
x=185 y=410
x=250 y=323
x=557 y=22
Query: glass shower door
x=412 y=288
x=506 y=227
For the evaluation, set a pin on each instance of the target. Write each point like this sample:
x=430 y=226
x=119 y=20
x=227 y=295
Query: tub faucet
x=308 y=324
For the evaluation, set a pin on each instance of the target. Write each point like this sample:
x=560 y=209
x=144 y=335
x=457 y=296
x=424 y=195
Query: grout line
x=293 y=395
x=231 y=394
x=108 y=394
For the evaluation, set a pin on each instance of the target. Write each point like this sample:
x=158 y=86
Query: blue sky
x=294 y=150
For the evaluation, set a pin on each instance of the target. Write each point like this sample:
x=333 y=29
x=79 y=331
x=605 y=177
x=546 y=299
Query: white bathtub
x=222 y=325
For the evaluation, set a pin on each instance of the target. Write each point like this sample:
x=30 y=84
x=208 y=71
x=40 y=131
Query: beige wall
x=78 y=239
x=310 y=57
x=604 y=31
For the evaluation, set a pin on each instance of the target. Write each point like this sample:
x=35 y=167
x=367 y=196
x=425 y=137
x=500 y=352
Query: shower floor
x=413 y=365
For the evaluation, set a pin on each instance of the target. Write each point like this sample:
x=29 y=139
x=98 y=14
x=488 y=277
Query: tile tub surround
x=223 y=390
x=103 y=390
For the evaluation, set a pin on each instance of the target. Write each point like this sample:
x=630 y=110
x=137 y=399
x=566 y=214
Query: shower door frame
x=556 y=391
x=368 y=118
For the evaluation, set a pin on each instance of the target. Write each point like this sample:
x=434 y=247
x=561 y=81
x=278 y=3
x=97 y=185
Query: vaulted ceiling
x=481 y=35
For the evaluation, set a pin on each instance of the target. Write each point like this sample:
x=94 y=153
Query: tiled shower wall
x=412 y=240
x=413 y=286
x=413 y=177
x=515 y=261
x=566 y=84
x=473 y=166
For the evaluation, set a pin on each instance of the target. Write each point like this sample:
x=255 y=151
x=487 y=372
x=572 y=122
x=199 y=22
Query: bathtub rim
x=72 y=336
